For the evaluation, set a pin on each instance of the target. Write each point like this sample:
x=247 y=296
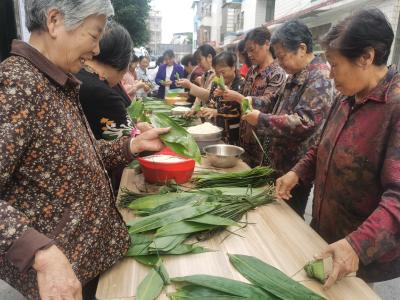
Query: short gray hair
x=74 y=12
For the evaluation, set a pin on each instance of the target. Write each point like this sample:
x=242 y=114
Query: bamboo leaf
x=229 y=286
x=271 y=279
x=151 y=286
x=153 y=201
x=197 y=198
x=182 y=227
x=178 y=139
x=186 y=249
x=155 y=262
x=196 y=292
x=166 y=243
x=213 y=220
x=167 y=217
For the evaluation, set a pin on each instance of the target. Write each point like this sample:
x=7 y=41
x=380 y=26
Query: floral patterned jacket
x=264 y=88
x=54 y=188
x=296 y=121
x=356 y=171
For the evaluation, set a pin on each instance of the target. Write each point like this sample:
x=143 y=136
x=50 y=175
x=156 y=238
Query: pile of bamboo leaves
x=256 y=177
x=167 y=220
x=266 y=281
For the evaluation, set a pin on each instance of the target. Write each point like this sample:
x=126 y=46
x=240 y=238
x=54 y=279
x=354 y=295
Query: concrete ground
x=389 y=290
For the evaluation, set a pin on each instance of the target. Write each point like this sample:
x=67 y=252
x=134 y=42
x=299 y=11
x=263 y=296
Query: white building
x=154 y=26
x=207 y=22
x=257 y=12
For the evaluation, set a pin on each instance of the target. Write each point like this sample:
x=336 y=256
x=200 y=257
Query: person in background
x=60 y=227
x=226 y=113
x=129 y=81
x=193 y=71
x=152 y=73
x=166 y=75
x=103 y=99
x=204 y=56
x=244 y=60
x=295 y=123
x=356 y=166
x=142 y=75
x=264 y=82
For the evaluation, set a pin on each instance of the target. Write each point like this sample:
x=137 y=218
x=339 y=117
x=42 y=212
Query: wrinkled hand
x=285 y=184
x=143 y=126
x=345 y=261
x=148 y=140
x=252 y=117
x=185 y=83
x=56 y=279
x=219 y=92
x=232 y=96
x=208 y=113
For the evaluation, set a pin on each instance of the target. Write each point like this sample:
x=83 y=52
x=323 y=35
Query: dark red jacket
x=356 y=171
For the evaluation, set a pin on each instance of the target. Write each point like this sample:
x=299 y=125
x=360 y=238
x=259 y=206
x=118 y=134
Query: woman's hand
x=185 y=83
x=147 y=88
x=232 y=96
x=56 y=279
x=208 y=113
x=285 y=184
x=143 y=126
x=345 y=261
x=252 y=117
x=149 y=140
x=167 y=82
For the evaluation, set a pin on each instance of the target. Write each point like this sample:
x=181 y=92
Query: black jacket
x=105 y=107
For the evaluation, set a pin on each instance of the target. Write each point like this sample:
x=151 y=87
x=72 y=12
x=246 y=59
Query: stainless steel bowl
x=223 y=156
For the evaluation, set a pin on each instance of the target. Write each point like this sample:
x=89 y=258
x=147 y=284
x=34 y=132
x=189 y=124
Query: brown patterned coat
x=53 y=185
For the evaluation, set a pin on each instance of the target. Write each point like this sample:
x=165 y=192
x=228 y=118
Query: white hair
x=74 y=12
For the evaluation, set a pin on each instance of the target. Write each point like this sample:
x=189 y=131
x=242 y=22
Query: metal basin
x=223 y=156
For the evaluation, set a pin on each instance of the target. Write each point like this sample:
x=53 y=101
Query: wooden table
x=277 y=236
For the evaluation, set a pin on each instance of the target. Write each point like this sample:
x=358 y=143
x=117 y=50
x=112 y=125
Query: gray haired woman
x=59 y=226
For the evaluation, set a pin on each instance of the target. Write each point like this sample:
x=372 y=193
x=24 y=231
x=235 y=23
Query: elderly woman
x=295 y=123
x=59 y=226
x=264 y=82
x=355 y=167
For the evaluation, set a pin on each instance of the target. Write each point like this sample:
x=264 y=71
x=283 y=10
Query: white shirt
x=168 y=74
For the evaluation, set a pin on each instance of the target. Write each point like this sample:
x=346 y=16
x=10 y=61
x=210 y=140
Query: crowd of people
x=64 y=133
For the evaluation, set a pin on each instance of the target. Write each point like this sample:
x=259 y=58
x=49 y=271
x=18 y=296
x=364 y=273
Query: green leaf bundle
x=220 y=82
x=315 y=269
x=177 y=139
x=170 y=216
x=226 y=287
x=246 y=106
x=256 y=177
x=271 y=279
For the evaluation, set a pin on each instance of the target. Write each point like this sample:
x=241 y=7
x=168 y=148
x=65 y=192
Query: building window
x=270 y=10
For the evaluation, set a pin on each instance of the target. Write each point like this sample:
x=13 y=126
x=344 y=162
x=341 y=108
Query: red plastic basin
x=162 y=172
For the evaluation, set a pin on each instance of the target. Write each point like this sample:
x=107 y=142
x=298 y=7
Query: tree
x=134 y=15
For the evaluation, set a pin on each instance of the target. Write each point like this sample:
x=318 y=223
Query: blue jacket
x=162 y=71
